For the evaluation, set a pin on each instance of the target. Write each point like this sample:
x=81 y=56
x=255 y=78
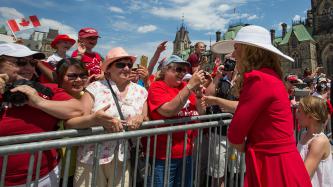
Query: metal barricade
x=37 y=143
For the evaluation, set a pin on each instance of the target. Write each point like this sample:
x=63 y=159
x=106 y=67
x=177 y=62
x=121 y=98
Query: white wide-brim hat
x=249 y=35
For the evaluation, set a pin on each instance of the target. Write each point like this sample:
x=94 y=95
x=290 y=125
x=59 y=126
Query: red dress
x=264 y=117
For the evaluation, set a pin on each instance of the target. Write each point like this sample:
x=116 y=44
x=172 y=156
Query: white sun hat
x=18 y=50
x=249 y=35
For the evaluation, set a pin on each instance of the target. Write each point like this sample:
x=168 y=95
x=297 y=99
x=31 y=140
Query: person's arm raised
x=160 y=48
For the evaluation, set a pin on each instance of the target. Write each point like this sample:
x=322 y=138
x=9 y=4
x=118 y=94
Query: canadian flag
x=24 y=23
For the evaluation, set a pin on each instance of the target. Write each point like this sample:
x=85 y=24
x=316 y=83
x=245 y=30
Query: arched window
x=297 y=63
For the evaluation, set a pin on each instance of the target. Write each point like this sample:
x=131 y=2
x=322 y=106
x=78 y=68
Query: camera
x=19 y=98
x=229 y=65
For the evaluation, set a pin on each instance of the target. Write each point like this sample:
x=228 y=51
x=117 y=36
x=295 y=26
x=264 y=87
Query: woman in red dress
x=262 y=125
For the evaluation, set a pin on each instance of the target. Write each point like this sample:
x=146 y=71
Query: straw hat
x=249 y=35
x=115 y=54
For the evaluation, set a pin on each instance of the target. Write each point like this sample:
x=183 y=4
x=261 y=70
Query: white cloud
x=116 y=9
x=63 y=28
x=296 y=18
x=9 y=13
x=146 y=28
x=120 y=17
x=123 y=26
x=224 y=7
x=252 y=17
x=202 y=15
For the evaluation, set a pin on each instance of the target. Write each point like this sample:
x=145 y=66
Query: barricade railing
x=7 y=140
x=33 y=144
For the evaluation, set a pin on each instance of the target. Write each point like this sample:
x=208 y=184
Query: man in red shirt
x=195 y=58
x=87 y=40
x=39 y=113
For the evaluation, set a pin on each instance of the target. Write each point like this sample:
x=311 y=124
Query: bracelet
x=189 y=87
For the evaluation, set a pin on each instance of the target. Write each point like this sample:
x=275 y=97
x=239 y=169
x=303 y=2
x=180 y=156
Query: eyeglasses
x=180 y=70
x=24 y=61
x=74 y=76
x=122 y=65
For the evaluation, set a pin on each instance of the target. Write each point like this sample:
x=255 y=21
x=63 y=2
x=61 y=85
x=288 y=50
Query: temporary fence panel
x=97 y=136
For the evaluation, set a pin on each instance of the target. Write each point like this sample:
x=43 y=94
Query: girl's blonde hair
x=253 y=58
x=315 y=107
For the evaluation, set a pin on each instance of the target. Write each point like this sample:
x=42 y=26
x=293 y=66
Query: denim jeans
x=175 y=178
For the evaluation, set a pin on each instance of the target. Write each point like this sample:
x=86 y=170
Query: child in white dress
x=314 y=145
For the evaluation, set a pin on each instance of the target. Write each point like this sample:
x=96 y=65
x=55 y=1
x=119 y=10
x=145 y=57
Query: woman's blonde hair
x=253 y=58
x=315 y=107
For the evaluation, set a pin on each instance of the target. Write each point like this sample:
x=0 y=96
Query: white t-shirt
x=131 y=105
x=54 y=59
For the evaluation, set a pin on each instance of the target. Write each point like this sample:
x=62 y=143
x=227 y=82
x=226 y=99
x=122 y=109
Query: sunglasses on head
x=74 y=76
x=23 y=62
x=122 y=65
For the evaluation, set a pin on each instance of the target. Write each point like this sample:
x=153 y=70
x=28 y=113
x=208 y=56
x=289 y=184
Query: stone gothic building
x=310 y=43
x=182 y=43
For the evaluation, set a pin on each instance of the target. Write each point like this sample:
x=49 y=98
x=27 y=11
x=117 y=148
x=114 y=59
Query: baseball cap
x=88 y=32
x=18 y=50
x=175 y=59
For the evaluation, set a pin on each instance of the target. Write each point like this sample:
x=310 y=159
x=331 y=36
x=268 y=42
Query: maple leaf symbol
x=24 y=22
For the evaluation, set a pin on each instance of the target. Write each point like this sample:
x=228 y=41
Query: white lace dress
x=323 y=177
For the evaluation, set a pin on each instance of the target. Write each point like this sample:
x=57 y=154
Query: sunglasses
x=121 y=65
x=180 y=70
x=23 y=62
x=74 y=76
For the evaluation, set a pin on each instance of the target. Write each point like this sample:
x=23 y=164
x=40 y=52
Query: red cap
x=61 y=37
x=292 y=78
x=88 y=32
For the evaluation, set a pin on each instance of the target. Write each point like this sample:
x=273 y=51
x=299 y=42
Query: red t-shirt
x=27 y=120
x=193 y=59
x=158 y=94
x=42 y=77
x=92 y=61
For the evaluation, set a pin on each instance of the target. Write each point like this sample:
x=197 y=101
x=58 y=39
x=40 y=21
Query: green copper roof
x=231 y=33
x=185 y=54
x=277 y=40
x=300 y=32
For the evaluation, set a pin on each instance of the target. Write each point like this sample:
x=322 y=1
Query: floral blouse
x=131 y=105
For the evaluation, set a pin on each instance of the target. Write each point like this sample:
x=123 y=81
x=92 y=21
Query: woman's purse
x=140 y=171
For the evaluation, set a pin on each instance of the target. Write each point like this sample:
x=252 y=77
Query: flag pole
x=15 y=38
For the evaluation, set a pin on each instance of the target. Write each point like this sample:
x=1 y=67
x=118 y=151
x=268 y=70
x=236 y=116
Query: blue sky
x=140 y=25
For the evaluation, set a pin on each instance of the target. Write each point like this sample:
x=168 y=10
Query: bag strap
x=116 y=101
x=115 y=98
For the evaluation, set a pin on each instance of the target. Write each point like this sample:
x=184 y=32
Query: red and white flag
x=24 y=23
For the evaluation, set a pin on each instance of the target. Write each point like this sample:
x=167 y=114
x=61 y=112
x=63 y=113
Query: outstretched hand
x=110 y=123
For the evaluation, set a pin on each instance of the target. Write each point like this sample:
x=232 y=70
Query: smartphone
x=207 y=75
x=144 y=61
x=135 y=67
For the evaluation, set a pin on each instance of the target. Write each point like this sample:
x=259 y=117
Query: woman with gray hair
x=170 y=97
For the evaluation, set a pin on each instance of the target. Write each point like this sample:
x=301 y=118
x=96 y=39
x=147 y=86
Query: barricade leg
x=3 y=170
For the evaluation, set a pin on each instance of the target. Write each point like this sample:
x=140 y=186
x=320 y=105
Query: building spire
x=183 y=20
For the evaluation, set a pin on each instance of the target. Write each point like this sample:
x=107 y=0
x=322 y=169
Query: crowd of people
x=84 y=90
